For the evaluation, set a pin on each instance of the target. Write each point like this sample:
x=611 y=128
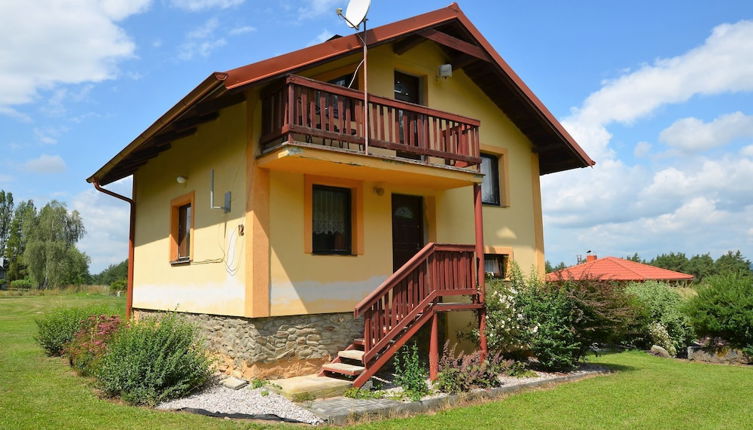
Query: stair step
x=345 y=369
x=358 y=341
x=352 y=354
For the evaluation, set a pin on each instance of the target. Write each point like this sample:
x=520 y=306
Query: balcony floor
x=319 y=160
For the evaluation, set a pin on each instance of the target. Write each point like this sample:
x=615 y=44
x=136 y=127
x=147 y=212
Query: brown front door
x=407 y=228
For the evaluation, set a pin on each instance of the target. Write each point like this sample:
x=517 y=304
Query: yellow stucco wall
x=215 y=280
x=282 y=279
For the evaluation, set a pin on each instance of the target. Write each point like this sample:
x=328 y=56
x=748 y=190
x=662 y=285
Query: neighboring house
x=618 y=269
x=313 y=243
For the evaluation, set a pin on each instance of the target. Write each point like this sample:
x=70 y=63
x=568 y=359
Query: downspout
x=131 y=235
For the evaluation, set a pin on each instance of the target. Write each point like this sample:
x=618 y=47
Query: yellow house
x=315 y=210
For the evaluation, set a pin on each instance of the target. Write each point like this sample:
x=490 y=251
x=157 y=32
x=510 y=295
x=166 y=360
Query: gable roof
x=618 y=269
x=459 y=38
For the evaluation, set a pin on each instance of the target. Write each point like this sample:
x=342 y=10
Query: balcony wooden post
x=434 y=347
x=480 y=274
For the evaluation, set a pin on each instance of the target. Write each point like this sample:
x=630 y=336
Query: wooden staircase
x=405 y=302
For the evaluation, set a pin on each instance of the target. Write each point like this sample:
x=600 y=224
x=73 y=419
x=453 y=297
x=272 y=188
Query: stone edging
x=342 y=411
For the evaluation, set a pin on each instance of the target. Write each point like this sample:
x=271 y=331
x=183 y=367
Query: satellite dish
x=356 y=12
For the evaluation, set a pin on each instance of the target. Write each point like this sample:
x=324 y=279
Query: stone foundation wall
x=273 y=347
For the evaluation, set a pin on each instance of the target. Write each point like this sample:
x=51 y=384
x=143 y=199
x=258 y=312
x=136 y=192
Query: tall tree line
x=700 y=265
x=40 y=245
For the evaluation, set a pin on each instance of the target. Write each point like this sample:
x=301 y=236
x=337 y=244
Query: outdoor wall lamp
x=181 y=179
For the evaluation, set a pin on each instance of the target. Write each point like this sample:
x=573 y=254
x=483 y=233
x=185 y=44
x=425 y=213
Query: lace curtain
x=330 y=211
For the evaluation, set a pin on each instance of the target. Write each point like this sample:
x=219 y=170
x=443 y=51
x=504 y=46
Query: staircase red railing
x=411 y=292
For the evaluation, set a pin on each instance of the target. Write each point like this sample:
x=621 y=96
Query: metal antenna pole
x=365 y=90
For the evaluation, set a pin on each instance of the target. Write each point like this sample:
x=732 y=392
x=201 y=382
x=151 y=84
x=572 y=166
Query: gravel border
x=343 y=410
x=245 y=403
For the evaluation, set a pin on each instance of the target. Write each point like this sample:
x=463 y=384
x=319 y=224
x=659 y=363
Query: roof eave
x=205 y=88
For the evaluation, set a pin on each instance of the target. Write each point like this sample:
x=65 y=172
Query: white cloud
x=45 y=164
x=106 y=222
x=627 y=208
x=241 y=30
x=201 y=41
x=315 y=8
x=49 y=135
x=641 y=149
x=47 y=42
x=197 y=5
x=693 y=135
x=5 y=178
x=723 y=64
x=321 y=37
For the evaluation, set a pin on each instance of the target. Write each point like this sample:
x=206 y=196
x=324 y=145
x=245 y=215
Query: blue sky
x=659 y=93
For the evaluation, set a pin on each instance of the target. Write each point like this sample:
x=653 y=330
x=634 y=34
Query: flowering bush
x=462 y=372
x=662 y=320
x=556 y=322
x=58 y=327
x=507 y=331
x=90 y=342
x=659 y=336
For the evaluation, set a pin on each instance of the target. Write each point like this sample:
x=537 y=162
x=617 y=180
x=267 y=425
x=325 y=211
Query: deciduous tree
x=50 y=253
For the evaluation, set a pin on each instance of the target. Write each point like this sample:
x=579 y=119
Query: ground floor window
x=331 y=218
x=181 y=228
x=495 y=265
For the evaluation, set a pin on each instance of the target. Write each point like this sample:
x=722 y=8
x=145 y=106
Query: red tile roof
x=533 y=112
x=618 y=269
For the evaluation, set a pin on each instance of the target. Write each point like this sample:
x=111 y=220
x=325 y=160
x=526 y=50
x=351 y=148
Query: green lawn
x=646 y=392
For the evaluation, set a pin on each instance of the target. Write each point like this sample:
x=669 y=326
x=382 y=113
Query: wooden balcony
x=330 y=116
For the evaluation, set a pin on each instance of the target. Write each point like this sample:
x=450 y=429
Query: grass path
x=37 y=392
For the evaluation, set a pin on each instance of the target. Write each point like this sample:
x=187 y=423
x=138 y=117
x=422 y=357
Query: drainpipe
x=131 y=235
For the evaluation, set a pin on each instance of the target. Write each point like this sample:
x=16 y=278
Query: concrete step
x=352 y=354
x=342 y=368
x=310 y=386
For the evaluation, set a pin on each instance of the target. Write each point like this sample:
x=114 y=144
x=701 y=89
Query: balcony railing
x=305 y=110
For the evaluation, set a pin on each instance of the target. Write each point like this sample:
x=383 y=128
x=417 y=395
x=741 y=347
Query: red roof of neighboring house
x=557 y=149
x=617 y=269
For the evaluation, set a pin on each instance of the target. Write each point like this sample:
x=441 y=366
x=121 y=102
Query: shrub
x=58 y=327
x=724 y=309
x=154 y=360
x=661 y=319
x=118 y=286
x=410 y=373
x=90 y=342
x=22 y=284
x=550 y=314
x=602 y=311
x=459 y=373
